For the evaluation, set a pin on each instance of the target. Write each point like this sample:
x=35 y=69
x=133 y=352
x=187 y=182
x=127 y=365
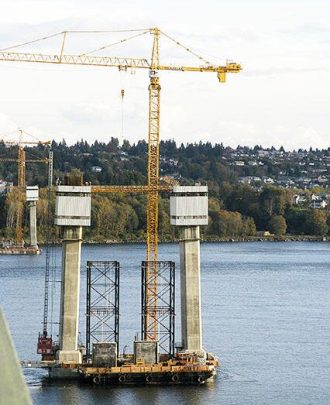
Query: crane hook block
x=222 y=77
x=122 y=93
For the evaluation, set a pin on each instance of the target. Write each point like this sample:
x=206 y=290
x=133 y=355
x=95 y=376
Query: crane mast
x=154 y=66
x=150 y=316
x=21 y=186
x=48 y=243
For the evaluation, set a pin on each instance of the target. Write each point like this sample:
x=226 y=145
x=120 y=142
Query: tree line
x=235 y=210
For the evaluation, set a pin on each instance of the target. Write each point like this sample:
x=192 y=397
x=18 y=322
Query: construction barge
x=172 y=372
x=181 y=370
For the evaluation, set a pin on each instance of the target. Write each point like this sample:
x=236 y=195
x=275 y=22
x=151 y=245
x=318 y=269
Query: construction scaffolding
x=163 y=305
x=102 y=309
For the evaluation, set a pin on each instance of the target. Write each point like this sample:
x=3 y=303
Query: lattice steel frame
x=163 y=308
x=102 y=309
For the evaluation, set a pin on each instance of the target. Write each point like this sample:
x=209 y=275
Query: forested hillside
x=236 y=209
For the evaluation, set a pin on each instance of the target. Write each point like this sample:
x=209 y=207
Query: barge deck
x=167 y=373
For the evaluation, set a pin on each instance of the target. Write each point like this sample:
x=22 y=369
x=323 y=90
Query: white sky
x=282 y=97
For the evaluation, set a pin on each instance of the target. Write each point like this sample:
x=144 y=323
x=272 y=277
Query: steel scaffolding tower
x=163 y=305
x=102 y=310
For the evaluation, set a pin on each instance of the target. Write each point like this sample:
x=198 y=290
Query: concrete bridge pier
x=191 y=316
x=33 y=224
x=32 y=196
x=73 y=210
x=70 y=293
x=189 y=210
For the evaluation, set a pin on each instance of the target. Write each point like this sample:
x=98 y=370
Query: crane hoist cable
x=122 y=93
x=122 y=72
x=115 y=43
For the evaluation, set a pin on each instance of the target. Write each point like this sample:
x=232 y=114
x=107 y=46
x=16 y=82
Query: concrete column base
x=70 y=289
x=69 y=357
x=191 y=318
x=33 y=224
x=199 y=353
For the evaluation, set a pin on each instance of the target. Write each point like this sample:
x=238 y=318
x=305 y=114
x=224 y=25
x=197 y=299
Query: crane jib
x=75 y=60
x=110 y=61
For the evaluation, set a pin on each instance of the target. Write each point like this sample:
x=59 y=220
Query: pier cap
x=32 y=193
x=189 y=205
x=73 y=206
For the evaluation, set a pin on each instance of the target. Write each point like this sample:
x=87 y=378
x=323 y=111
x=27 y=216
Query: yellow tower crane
x=21 y=162
x=154 y=66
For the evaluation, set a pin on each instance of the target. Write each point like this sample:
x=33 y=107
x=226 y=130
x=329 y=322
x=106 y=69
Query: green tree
x=231 y=224
x=277 y=225
x=316 y=222
x=296 y=220
x=248 y=227
x=273 y=201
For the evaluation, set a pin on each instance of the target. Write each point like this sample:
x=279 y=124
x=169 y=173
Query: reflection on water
x=74 y=393
x=266 y=311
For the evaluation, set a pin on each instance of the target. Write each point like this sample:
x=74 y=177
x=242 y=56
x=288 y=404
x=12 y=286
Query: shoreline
x=286 y=238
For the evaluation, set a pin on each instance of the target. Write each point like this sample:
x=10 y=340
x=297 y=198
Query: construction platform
x=153 y=374
x=19 y=250
x=172 y=372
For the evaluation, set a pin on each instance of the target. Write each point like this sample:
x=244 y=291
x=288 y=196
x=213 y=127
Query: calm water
x=266 y=314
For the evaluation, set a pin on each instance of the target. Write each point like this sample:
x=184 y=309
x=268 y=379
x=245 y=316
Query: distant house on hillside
x=249 y=179
x=267 y=180
x=96 y=169
x=298 y=199
x=318 y=201
x=319 y=204
x=263 y=153
x=252 y=163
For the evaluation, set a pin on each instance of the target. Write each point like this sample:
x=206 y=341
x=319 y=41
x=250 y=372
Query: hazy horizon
x=279 y=98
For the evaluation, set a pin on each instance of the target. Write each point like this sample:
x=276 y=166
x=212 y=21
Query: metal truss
x=102 y=309
x=158 y=313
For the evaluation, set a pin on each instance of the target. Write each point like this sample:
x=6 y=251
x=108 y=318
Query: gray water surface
x=266 y=314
